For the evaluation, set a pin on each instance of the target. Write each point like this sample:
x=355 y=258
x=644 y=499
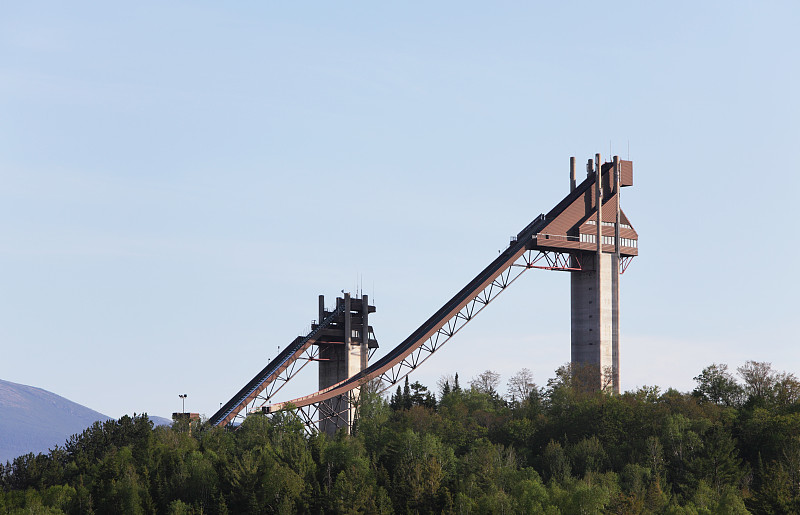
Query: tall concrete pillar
x=343 y=354
x=364 y=331
x=353 y=359
x=615 y=267
x=595 y=317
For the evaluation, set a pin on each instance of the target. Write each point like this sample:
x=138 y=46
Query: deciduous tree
x=486 y=382
x=715 y=384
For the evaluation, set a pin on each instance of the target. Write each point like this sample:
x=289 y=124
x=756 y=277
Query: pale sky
x=179 y=182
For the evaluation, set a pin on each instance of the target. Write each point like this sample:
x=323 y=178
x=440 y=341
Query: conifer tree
x=406 y=395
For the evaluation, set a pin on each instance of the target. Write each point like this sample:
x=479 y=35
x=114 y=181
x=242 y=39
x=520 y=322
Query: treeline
x=730 y=446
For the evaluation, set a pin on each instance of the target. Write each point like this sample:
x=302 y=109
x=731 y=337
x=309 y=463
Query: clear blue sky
x=179 y=182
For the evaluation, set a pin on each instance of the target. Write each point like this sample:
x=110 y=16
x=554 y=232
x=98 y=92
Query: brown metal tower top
x=572 y=224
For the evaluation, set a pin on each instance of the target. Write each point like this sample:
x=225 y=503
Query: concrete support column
x=364 y=331
x=601 y=284
x=344 y=357
x=615 y=264
x=594 y=295
x=615 y=387
x=348 y=324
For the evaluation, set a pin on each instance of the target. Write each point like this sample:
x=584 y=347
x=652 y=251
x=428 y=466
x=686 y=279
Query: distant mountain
x=160 y=421
x=35 y=420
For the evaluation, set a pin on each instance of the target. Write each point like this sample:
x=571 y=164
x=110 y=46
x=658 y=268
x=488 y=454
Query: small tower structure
x=344 y=348
x=601 y=241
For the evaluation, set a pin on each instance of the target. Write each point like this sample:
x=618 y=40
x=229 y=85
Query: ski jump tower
x=344 y=348
x=585 y=234
x=600 y=241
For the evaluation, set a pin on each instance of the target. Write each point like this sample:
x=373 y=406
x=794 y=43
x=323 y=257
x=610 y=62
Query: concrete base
x=595 y=318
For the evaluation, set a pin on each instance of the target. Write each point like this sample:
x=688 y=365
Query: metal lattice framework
x=543 y=260
x=336 y=411
x=311 y=414
x=340 y=406
x=623 y=263
x=274 y=376
x=546 y=243
x=274 y=384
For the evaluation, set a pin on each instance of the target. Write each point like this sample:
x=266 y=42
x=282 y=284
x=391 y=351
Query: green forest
x=732 y=445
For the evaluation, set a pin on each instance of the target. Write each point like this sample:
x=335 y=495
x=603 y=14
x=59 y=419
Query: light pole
x=183 y=401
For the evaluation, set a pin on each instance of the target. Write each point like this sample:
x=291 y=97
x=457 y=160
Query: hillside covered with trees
x=730 y=446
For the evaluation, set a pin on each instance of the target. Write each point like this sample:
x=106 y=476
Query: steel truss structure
x=553 y=261
x=274 y=383
x=336 y=411
x=623 y=263
x=274 y=376
x=339 y=411
x=274 y=386
x=546 y=243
